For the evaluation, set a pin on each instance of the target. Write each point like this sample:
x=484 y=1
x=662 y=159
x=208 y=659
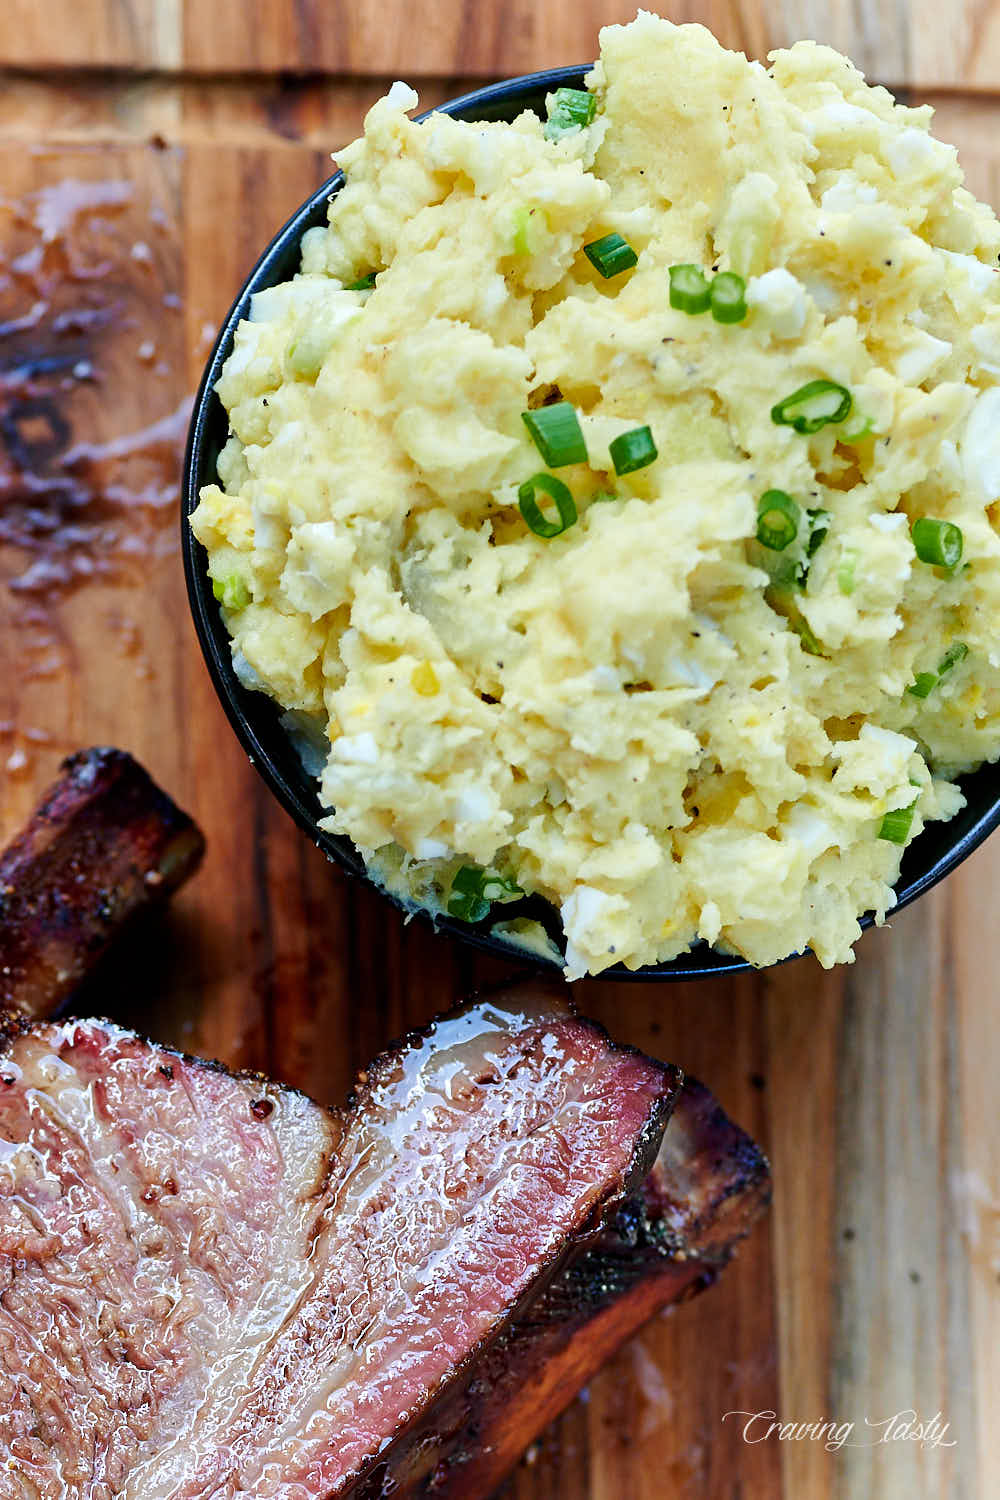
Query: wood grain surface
x=132 y=202
x=910 y=42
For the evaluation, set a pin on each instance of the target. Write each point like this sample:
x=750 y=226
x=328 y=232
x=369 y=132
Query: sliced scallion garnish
x=306 y=355
x=610 y=255
x=689 y=289
x=778 y=519
x=232 y=592
x=925 y=682
x=570 y=109
x=937 y=542
x=465 y=899
x=819 y=527
x=529 y=221
x=728 y=298
x=783 y=569
x=532 y=511
x=845 y=571
x=556 y=434
x=632 y=450
x=363 y=284
x=812 y=406
x=474 y=890
x=497 y=887
x=951 y=658
x=783 y=601
x=896 y=825
x=811 y=644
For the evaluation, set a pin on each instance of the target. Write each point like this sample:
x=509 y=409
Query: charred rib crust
x=104 y=844
x=709 y=1183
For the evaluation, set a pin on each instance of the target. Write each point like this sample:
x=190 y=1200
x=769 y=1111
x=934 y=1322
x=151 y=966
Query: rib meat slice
x=707 y=1187
x=209 y=1286
x=104 y=844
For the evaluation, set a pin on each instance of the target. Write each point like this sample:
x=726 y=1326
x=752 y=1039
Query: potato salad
x=612 y=502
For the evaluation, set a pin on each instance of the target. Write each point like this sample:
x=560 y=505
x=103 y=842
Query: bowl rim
x=245 y=708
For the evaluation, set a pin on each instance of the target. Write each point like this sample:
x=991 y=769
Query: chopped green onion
x=473 y=891
x=782 y=600
x=937 y=542
x=556 y=434
x=923 y=684
x=497 y=887
x=784 y=570
x=569 y=110
x=778 y=519
x=232 y=592
x=529 y=219
x=689 y=289
x=610 y=255
x=532 y=511
x=364 y=284
x=845 y=572
x=632 y=450
x=728 y=297
x=812 y=406
x=819 y=527
x=306 y=355
x=811 y=643
x=466 y=899
x=951 y=658
x=896 y=825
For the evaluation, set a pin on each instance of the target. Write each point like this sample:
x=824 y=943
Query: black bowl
x=255 y=717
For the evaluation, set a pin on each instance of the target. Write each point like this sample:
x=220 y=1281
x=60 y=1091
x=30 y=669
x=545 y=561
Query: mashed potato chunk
x=710 y=672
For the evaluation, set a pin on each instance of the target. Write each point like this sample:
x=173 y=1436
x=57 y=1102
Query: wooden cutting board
x=148 y=148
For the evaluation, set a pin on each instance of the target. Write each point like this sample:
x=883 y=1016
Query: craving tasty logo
x=903 y=1427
